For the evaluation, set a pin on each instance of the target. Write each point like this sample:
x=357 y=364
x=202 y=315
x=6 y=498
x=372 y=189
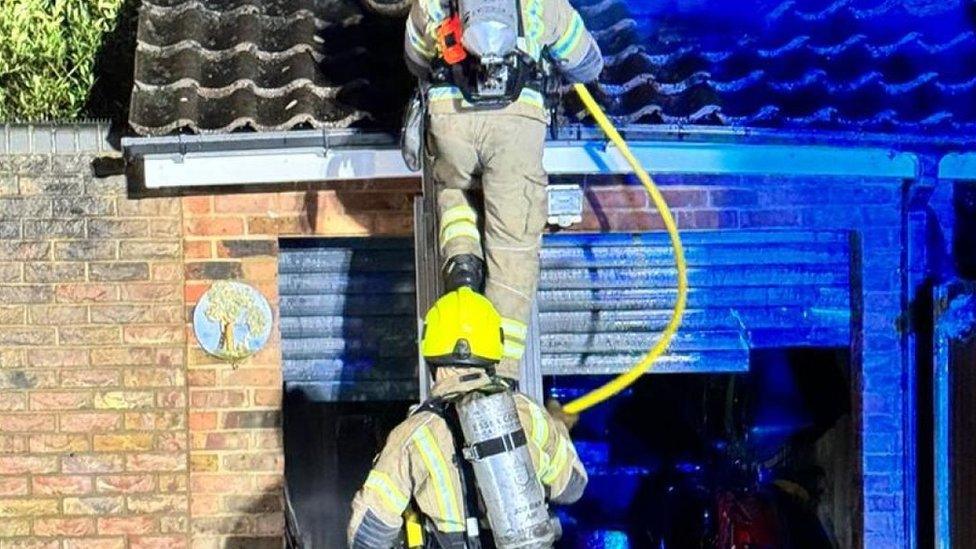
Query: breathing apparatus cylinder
x=495 y=444
x=491 y=27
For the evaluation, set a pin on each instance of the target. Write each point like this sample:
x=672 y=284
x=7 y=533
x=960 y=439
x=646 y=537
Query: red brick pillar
x=236 y=459
x=236 y=456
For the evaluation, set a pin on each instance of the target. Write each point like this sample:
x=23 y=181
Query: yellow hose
x=622 y=381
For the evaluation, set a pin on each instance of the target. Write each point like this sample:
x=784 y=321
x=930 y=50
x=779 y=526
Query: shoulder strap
x=434 y=405
x=521 y=18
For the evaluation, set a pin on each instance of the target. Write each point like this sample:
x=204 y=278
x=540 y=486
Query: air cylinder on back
x=511 y=491
x=491 y=27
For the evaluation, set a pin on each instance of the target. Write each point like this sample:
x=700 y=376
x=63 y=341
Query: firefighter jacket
x=553 y=26
x=418 y=463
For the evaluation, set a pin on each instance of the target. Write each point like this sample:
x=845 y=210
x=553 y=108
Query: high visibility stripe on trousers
x=440 y=476
x=459 y=222
x=515 y=333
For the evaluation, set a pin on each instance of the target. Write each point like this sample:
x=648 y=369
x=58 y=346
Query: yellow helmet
x=462 y=329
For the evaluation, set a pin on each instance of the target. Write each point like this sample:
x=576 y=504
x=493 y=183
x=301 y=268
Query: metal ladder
x=429 y=288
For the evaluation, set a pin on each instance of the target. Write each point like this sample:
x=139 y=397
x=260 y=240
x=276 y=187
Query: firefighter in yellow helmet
x=425 y=463
x=485 y=65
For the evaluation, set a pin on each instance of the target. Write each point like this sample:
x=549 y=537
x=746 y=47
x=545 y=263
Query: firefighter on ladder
x=446 y=461
x=484 y=64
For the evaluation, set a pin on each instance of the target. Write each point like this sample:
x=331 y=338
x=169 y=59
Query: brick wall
x=234 y=414
x=117 y=431
x=236 y=460
x=93 y=441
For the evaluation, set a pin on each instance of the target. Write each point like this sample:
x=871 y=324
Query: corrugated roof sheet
x=862 y=65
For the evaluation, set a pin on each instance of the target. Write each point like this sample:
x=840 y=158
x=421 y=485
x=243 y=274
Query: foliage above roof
x=48 y=55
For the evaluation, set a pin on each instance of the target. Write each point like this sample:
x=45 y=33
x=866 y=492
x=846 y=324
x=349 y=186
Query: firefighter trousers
x=500 y=154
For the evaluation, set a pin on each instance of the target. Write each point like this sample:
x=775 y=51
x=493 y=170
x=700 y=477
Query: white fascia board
x=258 y=167
x=733 y=159
x=317 y=163
x=958 y=166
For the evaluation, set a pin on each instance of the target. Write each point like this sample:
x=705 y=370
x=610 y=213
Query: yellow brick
x=14 y=527
x=197 y=542
x=173 y=483
x=29 y=543
x=124 y=400
x=117 y=443
x=173 y=525
x=95 y=543
x=204 y=463
x=28 y=507
x=152 y=504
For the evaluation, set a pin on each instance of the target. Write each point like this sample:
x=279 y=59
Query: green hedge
x=47 y=55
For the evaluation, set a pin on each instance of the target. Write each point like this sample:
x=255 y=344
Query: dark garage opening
x=769 y=457
x=329 y=448
x=349 y=332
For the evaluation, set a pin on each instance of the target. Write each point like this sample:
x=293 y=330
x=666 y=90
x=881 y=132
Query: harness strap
x=526 y=71
x=497 y=445
x=468 y=487
x=521 y=21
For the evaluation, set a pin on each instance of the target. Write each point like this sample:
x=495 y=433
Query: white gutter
x=958 y=166
x=313 y=156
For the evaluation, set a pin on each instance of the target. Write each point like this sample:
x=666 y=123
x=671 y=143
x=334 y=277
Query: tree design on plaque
x=232 y=321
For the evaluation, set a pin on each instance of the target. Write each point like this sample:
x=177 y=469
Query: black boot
x=464 y=270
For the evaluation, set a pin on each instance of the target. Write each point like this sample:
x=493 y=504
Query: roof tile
x=861 y=65
x=216 y=66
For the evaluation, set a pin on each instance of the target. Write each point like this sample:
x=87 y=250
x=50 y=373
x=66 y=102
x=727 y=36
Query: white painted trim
x=215 y=167
x=959 y=166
